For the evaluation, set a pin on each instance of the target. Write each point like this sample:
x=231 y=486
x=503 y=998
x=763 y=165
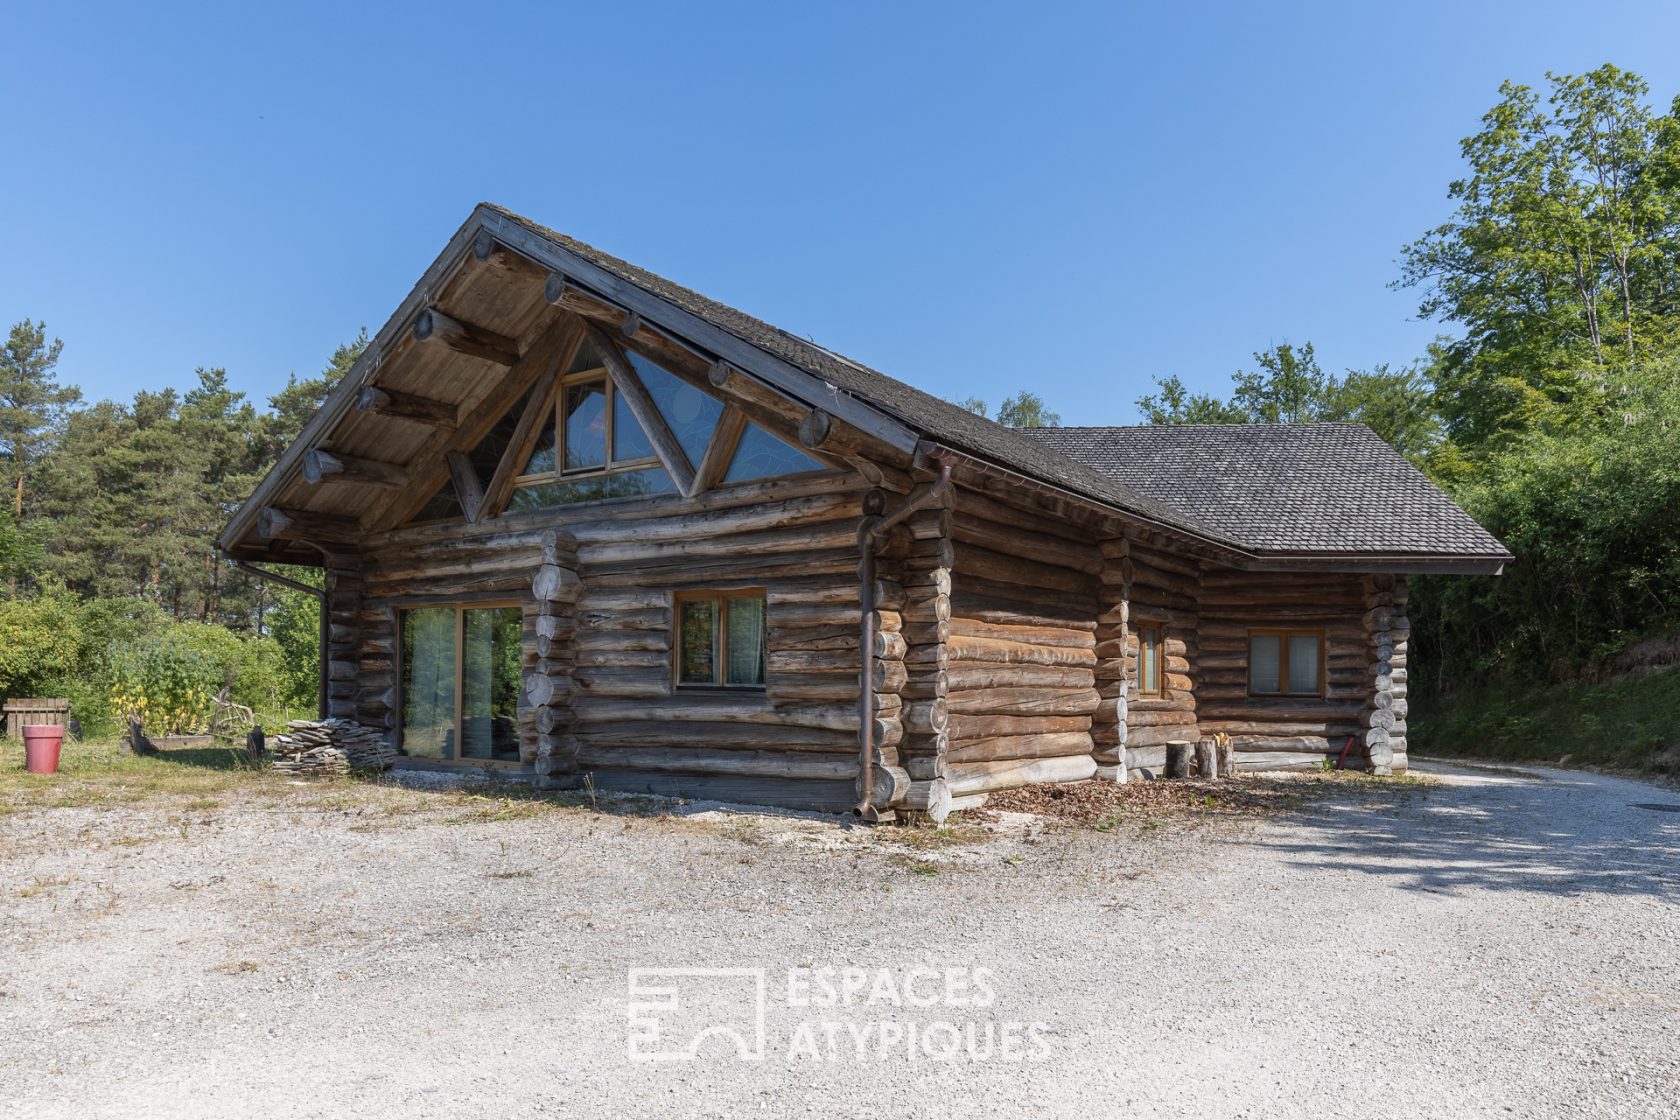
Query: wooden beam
x=720 y=451
x=274 y=523
x=432 y=325
x=406 y=406
x=814 y=429
x=551 y=352
x=646 y=412
x=468 y=488
x=538 y=411
x=331 y=466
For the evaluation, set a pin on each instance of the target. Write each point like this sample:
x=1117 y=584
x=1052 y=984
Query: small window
x=1149 y=659
x=1285 y=663
x=720 y=639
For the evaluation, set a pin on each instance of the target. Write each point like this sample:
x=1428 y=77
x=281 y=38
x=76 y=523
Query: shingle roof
x=1314 y=488
x=938 y=419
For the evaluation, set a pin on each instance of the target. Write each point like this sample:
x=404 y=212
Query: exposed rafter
x=334 y=466
x=468 y=489
x=720 y=451
x=526 y=432
x=547 y=355
x=274 y=523
x=406 y=406
x=433 y=326
x=647 y=413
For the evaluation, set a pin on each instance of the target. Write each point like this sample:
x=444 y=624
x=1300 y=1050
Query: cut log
x=1179 y=752
x=274 y=523
x=330 y=466
x=432 y=325
x=814 y=428
x=406 y=406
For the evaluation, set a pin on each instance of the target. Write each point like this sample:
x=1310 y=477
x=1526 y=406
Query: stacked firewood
x=319 y=748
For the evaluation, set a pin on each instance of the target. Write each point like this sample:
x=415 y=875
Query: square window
x=720 y=639
x=1285 y=663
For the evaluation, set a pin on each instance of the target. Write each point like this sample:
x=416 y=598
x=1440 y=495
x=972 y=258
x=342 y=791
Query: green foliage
x=1023 y=410
x=1174 y=404
x=40 y=642
x=1563 y=253
x=1626 y=723
x=295 y=626
x=32 y=404
x=165 y=682
x=1027 y=410
x=1289 y=386
x=1592 y=513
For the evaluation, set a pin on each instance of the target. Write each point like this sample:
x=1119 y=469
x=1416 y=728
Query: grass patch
x=1631 y=724
x=93 y=774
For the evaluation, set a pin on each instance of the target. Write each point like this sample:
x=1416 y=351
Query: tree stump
x=1178 y=758
x=1207 y=759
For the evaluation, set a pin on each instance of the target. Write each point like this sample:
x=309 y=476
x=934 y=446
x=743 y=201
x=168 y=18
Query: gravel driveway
x=1501 y=944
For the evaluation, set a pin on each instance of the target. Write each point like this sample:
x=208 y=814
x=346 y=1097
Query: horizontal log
x=1057 y=745
x=963 y=727
x=696 y=760
x=1025 y=701
x=1012 y=651
x=984 y=777
x=966 y=675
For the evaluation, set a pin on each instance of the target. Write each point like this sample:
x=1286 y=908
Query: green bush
x=164 y=682
x=41 y=642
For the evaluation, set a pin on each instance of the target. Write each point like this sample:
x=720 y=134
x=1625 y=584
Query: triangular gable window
x=762 y=455
x=690 y=414
x=616 y=424
x=443 y=506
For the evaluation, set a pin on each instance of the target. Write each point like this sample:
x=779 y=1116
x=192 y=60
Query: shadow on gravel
x=1557 y=836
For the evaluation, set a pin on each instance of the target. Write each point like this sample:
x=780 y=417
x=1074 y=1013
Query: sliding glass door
x=460 y=683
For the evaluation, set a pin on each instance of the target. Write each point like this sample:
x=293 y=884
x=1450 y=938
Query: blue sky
x=975 y=198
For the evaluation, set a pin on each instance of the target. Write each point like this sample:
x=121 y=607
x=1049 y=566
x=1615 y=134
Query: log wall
x=600 y=697
x=1161 y=587
x=1022 y=656
x=1284 y=732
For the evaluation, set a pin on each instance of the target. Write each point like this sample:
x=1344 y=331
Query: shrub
x=164 y=682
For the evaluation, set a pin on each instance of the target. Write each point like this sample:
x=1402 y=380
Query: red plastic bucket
x=41 y=742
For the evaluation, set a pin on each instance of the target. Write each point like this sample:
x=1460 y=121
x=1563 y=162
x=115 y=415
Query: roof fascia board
x=1401 y=564
x=786 y=378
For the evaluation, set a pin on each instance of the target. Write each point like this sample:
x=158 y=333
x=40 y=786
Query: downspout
x=320 y=594
x=870 y=533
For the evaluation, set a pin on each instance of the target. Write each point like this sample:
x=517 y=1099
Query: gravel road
x=1506 y=943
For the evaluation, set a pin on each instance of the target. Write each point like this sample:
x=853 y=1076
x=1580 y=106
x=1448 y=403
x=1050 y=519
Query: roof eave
x=1395 y=563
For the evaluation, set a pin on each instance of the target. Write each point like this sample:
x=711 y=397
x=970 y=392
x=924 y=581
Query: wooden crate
x=27 y=713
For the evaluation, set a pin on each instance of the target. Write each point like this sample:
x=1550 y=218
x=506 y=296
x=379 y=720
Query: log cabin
x=577 y=520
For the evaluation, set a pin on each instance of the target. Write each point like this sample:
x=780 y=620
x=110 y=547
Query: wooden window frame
x=558 y=411
x=720 y=639
x=460 y=607
x=1285 y=636
x=1160 y=644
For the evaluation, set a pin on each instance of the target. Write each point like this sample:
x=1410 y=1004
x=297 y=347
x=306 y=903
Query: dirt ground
x=1489 y=943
